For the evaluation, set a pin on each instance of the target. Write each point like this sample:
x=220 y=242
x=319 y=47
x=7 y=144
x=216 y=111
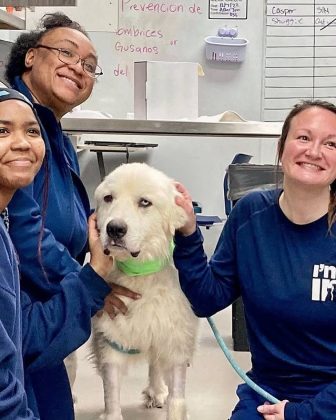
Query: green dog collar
x=132 y=267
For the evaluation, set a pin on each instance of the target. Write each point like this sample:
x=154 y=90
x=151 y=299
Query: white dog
x=137 y=217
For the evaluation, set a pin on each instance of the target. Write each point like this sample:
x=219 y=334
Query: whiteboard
x=300 y=54
x=99 y=15
x=126 y=31
x=177 y=35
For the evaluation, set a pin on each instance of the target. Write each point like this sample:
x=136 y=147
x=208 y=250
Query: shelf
x=256 y=129
x=115 y=146
x=9 y=21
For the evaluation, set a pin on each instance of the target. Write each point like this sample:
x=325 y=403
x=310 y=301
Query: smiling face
x=309 y=154
x=21 y=147
x=54 y=84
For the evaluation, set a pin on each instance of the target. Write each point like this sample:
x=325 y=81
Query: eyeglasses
x=70 y=57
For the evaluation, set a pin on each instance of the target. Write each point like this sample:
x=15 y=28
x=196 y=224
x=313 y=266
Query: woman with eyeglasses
x=56 y=68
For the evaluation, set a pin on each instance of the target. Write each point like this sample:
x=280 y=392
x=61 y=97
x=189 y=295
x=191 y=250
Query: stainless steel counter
x=171 y=128
x=256 y=129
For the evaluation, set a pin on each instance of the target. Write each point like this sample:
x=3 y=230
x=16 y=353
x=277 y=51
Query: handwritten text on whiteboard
x=158 y=7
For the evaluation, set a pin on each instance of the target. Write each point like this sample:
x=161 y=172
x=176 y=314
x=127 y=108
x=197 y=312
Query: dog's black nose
x=116 y=229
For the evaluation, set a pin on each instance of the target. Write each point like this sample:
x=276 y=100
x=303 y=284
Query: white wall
x=175 y=36
x=198 y=162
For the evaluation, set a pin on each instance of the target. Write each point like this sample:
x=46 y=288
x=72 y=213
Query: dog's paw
x=155 y=400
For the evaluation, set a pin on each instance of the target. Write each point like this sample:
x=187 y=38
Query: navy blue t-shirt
x=286 y=275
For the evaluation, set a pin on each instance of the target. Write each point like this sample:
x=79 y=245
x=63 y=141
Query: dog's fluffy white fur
x=137 y=217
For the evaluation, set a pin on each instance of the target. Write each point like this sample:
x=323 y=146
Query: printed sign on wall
x=222 y=9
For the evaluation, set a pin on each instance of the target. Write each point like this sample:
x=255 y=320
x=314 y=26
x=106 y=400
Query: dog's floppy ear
x=178 y=216
x=99 y=192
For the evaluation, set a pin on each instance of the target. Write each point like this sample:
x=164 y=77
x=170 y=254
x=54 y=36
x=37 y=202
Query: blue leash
x=237 y=368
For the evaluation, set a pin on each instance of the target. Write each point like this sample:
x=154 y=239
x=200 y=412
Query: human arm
x=113 y=304
x=26 y=230
x=36 y=244
x=273 y=411
x=53 y=329
x=322 y=406
x=13 y=399
x=210 y=287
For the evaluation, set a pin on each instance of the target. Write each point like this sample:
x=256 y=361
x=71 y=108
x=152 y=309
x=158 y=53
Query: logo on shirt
x=324 y=283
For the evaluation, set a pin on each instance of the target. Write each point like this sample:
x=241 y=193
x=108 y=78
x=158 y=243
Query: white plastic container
x=219 y=48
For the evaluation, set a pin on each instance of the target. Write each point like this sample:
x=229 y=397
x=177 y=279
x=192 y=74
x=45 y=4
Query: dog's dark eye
x=108 y=198
x=144 y=203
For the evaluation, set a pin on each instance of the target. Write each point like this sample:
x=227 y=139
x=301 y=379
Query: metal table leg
x=101 y=164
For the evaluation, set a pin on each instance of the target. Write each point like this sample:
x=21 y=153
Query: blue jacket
x=57 y=321
x=58 y=187
x=286 y=275
x=62 y=233
x=13 y=399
